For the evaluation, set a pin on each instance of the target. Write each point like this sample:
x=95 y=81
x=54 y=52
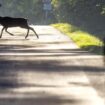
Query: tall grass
x=83 y=39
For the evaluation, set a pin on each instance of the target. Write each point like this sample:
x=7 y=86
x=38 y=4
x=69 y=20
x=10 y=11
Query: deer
x=8 y=22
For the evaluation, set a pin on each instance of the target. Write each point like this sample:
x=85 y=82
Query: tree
x=84 y=13
x=31 y=9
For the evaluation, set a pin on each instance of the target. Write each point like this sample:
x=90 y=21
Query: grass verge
x=83 y=39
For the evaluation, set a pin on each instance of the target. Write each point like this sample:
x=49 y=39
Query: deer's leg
x=2 y=32
x=27 y=34
x=8 y=32
x=34 y=31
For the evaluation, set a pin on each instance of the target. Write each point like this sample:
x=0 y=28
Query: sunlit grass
x=65 y=27
x=83 y=39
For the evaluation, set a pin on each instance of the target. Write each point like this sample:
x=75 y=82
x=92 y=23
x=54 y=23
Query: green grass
x=83 y=39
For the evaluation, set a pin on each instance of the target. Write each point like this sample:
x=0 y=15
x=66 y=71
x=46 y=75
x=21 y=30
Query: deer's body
x=8 y=22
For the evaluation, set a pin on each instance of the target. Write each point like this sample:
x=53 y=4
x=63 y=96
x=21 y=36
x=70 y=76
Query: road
x=50 y=70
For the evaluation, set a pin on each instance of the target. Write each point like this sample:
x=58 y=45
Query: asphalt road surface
x=50 y=70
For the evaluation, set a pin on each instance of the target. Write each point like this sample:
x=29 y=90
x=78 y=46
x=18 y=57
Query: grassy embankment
x=83 y=39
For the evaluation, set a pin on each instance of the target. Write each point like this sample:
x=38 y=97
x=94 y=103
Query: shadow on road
x=49 y=62
x=48 y=99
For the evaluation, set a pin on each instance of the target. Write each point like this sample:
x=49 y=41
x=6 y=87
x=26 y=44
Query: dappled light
x=40 y=65
x=49 y=70
x=17 y=75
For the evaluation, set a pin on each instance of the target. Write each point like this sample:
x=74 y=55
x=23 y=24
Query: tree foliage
x=85 y=13
x=31 y=9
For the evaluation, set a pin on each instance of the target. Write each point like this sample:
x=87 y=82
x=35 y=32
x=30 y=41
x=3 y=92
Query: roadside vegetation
x=83 y=39
x=82 y=20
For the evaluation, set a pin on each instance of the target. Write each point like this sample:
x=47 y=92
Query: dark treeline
x=87 y=14
x=31 y=9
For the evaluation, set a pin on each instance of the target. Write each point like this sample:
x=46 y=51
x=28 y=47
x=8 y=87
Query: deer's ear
x=0 y=5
